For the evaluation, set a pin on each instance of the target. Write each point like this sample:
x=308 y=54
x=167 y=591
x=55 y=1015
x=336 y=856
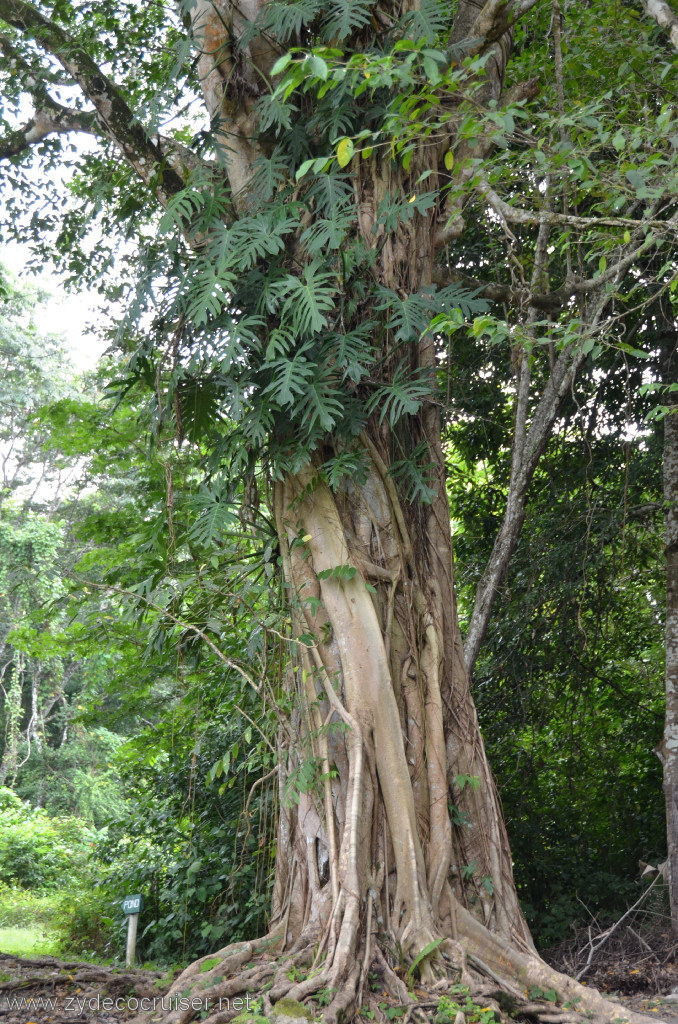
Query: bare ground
x=65 y=992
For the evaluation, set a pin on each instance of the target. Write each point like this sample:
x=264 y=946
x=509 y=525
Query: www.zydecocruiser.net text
x=97 y=1004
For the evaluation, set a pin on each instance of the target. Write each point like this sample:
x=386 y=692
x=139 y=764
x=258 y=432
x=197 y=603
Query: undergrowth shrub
x=19 y=906
x=38 y=852
x=88 y=925
x=203 y=868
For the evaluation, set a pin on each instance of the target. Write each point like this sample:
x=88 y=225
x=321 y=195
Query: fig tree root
x=479 y=972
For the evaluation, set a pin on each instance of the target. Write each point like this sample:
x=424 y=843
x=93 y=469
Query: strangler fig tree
x=327 y=199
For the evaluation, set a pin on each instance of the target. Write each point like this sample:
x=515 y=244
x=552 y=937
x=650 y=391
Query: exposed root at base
x=248 y=982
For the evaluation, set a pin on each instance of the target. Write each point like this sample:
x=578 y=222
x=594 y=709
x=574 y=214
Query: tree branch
x=515 y=215
x=495 y=19
x=664 y=16
x=523 y=466
x=547 y=301
x=114 y=117
x=494 y=291
x=51 y=120
x=217 y=28
x=522 y=471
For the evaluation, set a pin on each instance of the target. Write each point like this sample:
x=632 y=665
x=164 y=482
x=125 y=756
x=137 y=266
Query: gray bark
x=664 y=16
x=670 y=742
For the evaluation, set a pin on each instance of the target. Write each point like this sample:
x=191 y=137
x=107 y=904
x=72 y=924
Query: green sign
x=133 y=904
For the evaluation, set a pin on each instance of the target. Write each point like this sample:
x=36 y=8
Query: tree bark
x=669 y=746
x=664 y=16
x=393 y=659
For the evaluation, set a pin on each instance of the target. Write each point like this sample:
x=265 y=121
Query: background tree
x=34 y=675
x=296 y=261
x=170 y=604
x=570 y=677
x=668 y=354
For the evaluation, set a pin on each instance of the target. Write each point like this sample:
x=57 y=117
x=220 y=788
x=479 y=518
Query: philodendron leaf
x=426 y=952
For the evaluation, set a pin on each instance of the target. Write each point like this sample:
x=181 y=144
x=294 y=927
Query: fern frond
x=348 y=463
x=333 y=194
x=457 y=297
x=395 y=210
x=290 y=377
x=208 y=293
x=333 y=118
x=258 y=422
x=214 y=518
x=414 y=475
x=428 y=20
x=408 y=317
x=268 y=174
x=322 y=405
x=256 y=237
x=325 y=233
x=274 y=112
x=280 y=343
x=351 y=353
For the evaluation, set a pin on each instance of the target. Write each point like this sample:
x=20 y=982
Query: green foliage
x=82 y=779
x=459 y=1001
x=428 y=951
x=548 y=994
x=18 y=905
x=570 y=681
x=39 y=852
x=205 y=882
x=71 y=917
x=86 y=924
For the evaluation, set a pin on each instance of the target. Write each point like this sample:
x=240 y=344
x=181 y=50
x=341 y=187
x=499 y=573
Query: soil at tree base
x=57 y=991
x=66 y=986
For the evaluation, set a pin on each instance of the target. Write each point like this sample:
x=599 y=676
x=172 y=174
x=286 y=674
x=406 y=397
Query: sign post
x=132 y=906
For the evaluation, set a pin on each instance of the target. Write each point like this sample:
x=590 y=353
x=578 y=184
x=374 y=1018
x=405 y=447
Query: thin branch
x=553 y=300
x=559 y=383
x=260 y=782
x=516 y=215
x=610 y=931
x=511 y=294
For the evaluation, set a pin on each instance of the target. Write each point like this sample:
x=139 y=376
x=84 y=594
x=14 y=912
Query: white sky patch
x=73 y=315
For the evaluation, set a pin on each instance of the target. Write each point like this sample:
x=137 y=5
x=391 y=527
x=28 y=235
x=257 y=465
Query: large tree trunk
x=372 y=584
x=371 y=579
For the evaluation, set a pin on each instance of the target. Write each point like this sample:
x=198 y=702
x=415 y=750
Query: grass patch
x=32 y=941
x=21 y=908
